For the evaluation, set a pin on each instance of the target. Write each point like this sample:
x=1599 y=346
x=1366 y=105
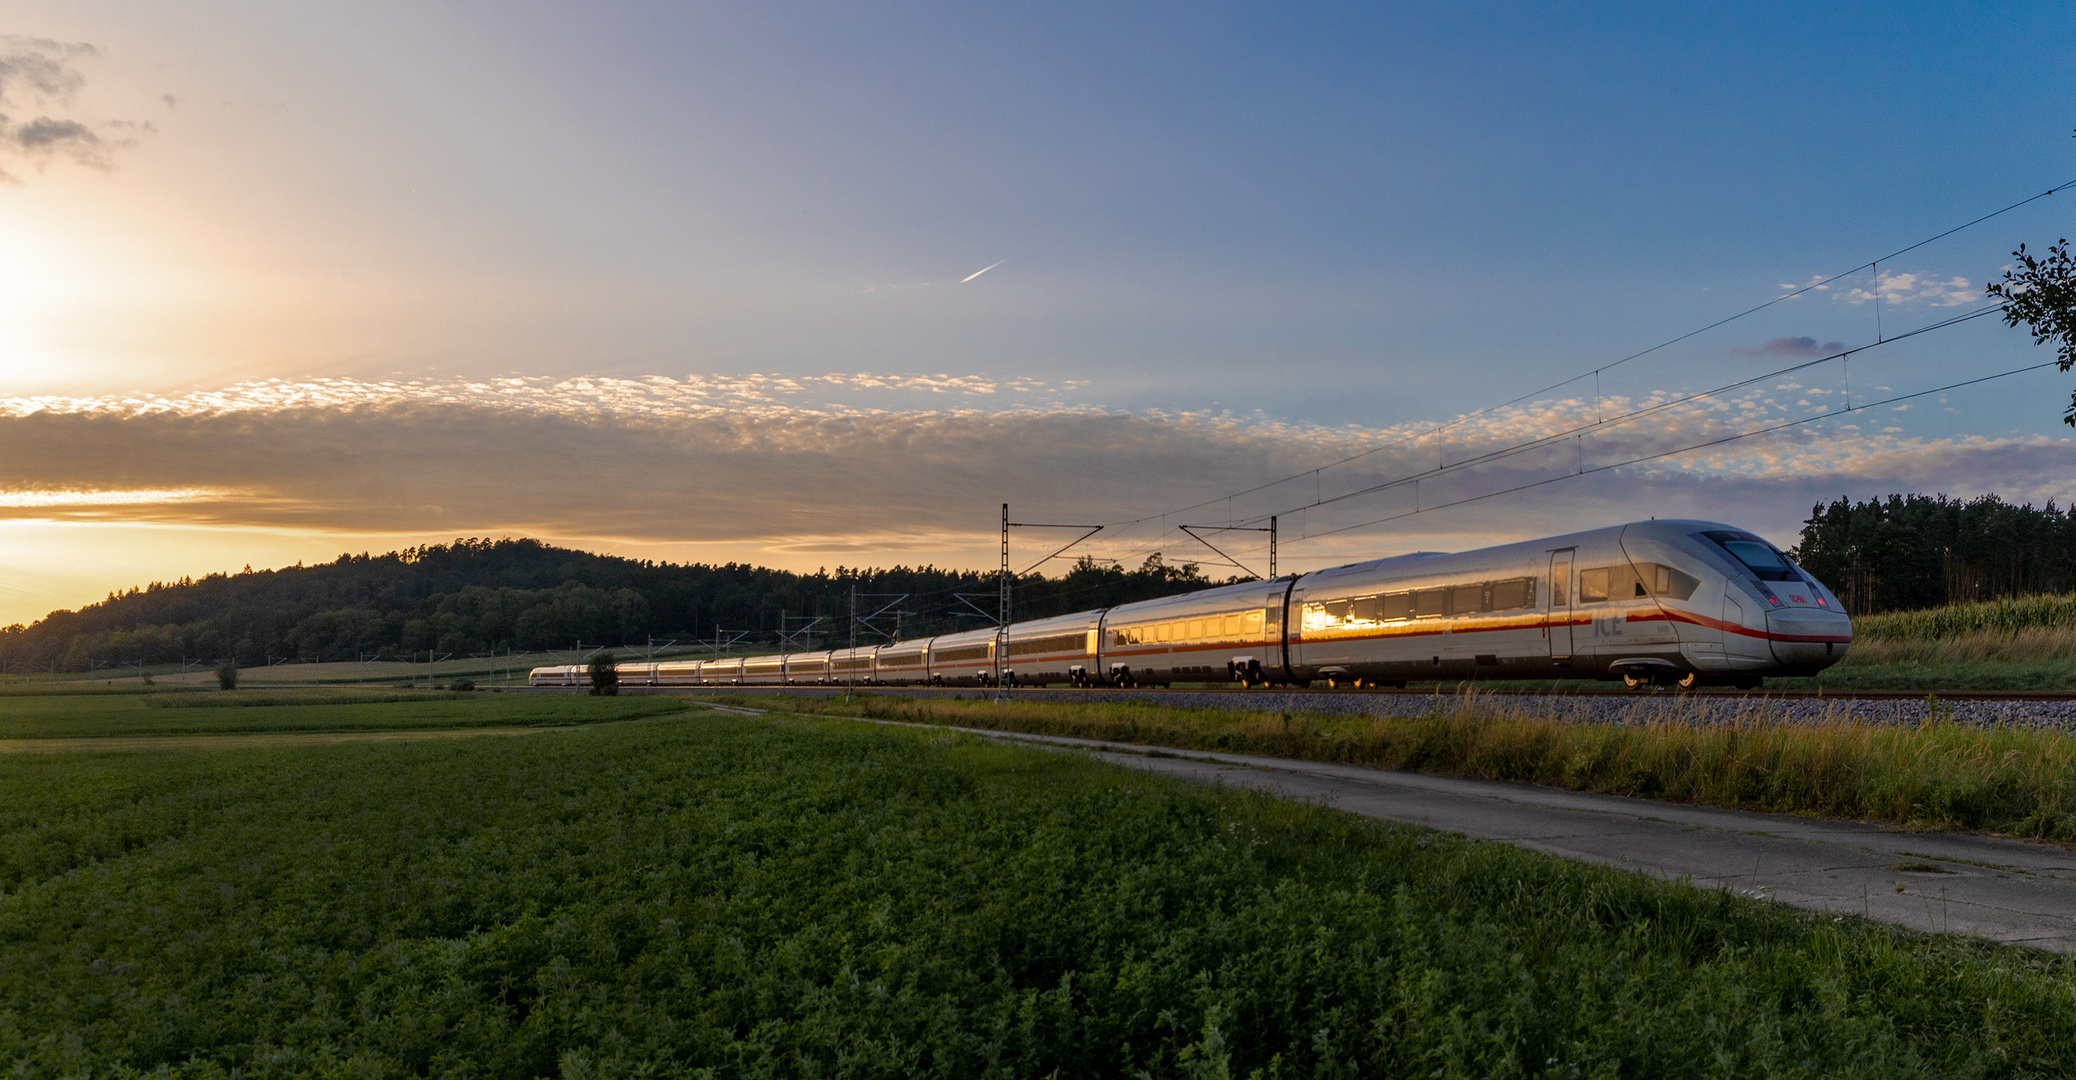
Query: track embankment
x=1615 y=706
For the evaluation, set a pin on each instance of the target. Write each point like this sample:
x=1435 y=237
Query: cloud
x=42 y=66
x=729 y=461
x=1893 y=288
x=38 y=71
x=1795 y=348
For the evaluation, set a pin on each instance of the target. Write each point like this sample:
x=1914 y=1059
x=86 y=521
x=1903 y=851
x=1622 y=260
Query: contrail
x=980 y=271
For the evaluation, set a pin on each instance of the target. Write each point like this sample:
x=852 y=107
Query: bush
x=462 y=686
x=227 y=675
x=605 y=676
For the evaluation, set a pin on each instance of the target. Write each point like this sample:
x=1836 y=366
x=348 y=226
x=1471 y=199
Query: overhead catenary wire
x=1622 y=418
x=1640 y=459
x=1601 y=422
x=1813 y=284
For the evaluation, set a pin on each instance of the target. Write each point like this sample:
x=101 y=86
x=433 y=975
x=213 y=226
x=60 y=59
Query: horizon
x=792 y=285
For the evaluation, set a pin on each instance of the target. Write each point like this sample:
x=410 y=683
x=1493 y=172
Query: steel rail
x=1241 y=694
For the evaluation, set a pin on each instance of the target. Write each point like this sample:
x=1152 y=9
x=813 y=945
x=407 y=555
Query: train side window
x=1368 y=609
x=1466 y=599
x=1398 y=606
x=1232 y=626
x=1196 y=630
x=1669 y=581
x=1337 y=610
x=1593 y=585
x=1429 y=603
x=1250 y=622
x=1163 y=632
x=1513 y=593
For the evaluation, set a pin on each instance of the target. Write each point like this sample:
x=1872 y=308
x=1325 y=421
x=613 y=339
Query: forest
x=1920 y=551
x=476 y=596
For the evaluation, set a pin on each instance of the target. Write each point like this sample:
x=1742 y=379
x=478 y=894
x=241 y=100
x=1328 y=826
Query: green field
x=726 y=896
x=89 y=715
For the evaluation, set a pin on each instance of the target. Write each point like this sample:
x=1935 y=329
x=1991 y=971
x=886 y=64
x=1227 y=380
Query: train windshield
x=1757 y=555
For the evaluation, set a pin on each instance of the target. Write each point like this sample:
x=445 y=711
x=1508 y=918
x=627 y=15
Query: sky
x=698 y=282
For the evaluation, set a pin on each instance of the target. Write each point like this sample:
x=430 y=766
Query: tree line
x=1920 y=551
x=481 y=596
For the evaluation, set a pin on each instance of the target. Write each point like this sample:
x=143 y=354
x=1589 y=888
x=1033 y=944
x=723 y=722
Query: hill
x=475 y=596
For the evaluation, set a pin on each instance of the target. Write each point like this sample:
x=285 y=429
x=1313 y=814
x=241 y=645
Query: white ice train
x=1670 y=603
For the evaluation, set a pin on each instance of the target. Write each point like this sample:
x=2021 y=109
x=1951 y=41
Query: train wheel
x=1689 y=681
x=1635 y=682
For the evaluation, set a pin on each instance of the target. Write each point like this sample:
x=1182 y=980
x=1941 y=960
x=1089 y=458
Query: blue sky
x=1309 y=230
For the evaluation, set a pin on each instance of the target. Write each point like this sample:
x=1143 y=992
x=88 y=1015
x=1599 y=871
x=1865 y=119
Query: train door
x=1294 y=630
x=1272 y=666
x=1559 y=619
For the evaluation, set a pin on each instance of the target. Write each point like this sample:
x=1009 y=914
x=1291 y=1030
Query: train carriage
x=1419 y=616
x=852 y=667
x=807 y=669
x=763 y=670
x=636 y=674
x=963 y=659
x=1217 y=635
x=677 y=673
x=726 y=672
x=1060 y=650
x=556 y=675
x=903 y=663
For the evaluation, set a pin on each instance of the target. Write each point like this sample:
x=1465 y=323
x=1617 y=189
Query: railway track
x=1240 y=695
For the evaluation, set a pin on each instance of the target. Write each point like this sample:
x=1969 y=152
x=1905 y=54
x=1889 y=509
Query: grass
x=2027 y=643
x=58 y=716
x=1858 y=673
x=232 y=699
x=740 y=897
x=2020 y=782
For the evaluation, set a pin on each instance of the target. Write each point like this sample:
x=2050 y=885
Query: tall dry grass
x=1939 y=775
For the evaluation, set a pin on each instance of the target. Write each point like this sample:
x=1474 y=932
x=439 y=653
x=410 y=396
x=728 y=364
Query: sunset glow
x=691 y=284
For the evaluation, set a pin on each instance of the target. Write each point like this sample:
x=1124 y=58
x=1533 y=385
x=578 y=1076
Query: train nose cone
x=1808 y=637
